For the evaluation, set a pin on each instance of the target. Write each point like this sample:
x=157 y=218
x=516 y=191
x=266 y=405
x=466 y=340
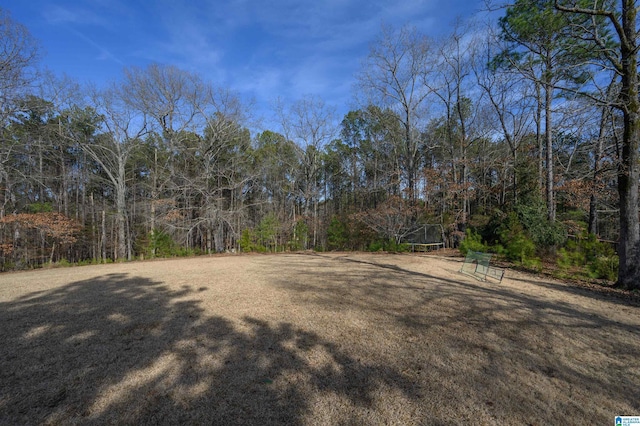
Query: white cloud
x=280 y=48
x=263 y=82
x=59 y=15
x=103 y=53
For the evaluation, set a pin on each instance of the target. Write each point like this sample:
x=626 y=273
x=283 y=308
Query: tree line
x=521 y=134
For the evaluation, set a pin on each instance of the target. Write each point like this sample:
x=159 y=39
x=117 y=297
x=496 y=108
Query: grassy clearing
x=311 y=339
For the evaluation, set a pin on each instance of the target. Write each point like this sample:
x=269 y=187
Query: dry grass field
x=311 y=339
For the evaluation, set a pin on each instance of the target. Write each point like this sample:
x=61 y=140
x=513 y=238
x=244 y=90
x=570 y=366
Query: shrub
x=520 y=248
x=472 y=242
x=564 y=260
x=517 y=245
x=389 y=245
x=267 y=233
x=86 y=262
x=595 y=258
x=376 y=246
x=533 y=218
x=40 y=208
x=300 y=235
x=8 y=266
x=532 y=264
x=186 y=252
x=491 y=231
x=393 y=247
x=605 y=267
x=62 y=263
x=337 y=234
x=246 y=240
x=160 y=244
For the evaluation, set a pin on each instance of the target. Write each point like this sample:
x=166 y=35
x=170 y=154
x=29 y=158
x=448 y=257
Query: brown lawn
x=313 y=339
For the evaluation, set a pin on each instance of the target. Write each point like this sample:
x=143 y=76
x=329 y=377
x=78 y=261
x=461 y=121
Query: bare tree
x=449 y=80
x=18 y=57
x=226 y=145
x=391 y=75
x=198 y=133
x=510 y=99
x=309 y=122
x=122 y=128
x=171 y=98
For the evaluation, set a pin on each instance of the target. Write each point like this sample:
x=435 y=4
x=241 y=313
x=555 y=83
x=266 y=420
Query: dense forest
x=518 y=136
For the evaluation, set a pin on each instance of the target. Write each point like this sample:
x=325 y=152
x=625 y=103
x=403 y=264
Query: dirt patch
x=311 y=339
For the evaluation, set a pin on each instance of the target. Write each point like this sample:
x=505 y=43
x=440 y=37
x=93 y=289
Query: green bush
x=520 y=248
x=595 y=258
x=388 y=245
x=516 y=244
x=376 y=246
x=247 y=241
x=337 y=234
x=472 y=242
x=186 y=252
x=40 y=208
x=267 y=233
x=605 y=267
x=532 y=264
x=8 y=266
x=62 y=263
x=393 y=247
x=564 y=259
x=533 y=218
x=300 y=236
x=160 y=244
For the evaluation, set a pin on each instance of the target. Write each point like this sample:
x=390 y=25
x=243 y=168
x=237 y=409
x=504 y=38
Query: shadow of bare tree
x=121 y=349
x=508 y=356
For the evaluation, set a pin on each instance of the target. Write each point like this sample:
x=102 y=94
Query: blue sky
x=261 y=49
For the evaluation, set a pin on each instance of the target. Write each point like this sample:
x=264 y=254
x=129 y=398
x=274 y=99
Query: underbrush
x=520 y=238
x=390 y=246
x=589 y=258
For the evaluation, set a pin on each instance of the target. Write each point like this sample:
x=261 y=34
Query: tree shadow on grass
x=121 y=349
x=595 y=291
x=512 y=356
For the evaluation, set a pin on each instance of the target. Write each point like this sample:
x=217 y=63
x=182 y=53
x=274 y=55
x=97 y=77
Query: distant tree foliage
x=442 y=132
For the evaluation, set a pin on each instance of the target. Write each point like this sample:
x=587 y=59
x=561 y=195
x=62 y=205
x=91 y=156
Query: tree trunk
x=95 y=249
x=154 y=199
x=53 y=249
x=514 y=178
x=410 y=162
x=121 y=217
x=539 y=142
x=103 y=239
x=629 y=245
x=548 y=133
x=597 y=154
